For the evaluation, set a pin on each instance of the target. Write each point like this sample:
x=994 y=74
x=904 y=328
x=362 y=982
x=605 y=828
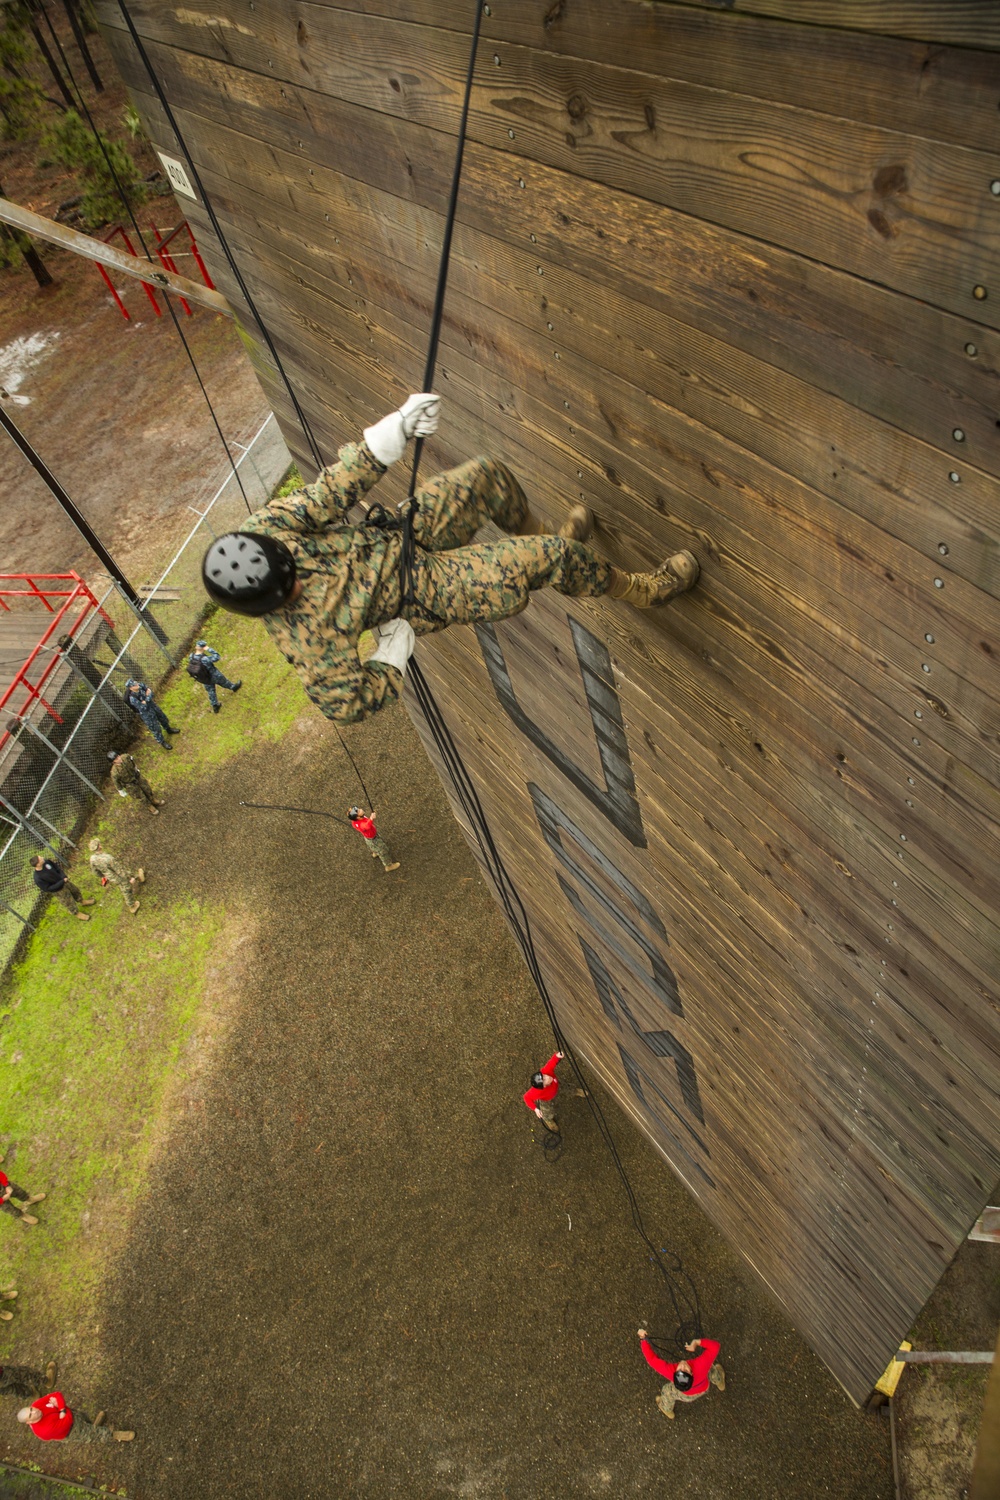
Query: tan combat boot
x=647 y=590
x=578 y=524
x=576 y=528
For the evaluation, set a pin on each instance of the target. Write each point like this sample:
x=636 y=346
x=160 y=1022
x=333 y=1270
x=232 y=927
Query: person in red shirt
x=52 y=1420
x=541 y=1097
x=12 y=1196
x=687 y=1379
x=368 y=831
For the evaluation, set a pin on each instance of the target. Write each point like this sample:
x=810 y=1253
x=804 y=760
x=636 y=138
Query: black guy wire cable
x=135 y=224
x=223 y=242
x=680 y=1288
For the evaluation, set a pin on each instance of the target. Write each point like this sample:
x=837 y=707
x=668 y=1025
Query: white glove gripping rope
x=417 y=417
x=395 y=644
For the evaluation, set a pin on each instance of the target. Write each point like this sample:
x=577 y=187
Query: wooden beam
x=96 y=250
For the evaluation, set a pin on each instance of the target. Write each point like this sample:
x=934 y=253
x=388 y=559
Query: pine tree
x=74 y=145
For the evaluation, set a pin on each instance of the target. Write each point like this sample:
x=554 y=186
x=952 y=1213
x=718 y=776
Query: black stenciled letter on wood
x=659 y=978
x=617 y=799
x=663 y=1044
x=642 y=1086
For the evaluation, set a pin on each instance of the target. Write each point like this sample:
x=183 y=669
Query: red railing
x=166 y=258
x=71 y=589
x=117 y=229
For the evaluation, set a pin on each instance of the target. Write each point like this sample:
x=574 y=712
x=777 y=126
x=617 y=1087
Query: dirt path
x=113 y=407
x=356 y=1275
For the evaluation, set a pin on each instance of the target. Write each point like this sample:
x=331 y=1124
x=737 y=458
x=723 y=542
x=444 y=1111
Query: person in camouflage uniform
x=129 y=781
x=107 y=868
x=319 y=581
x=24 y=1382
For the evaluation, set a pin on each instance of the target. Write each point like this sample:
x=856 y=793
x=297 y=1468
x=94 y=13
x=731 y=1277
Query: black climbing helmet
x=249 y=574
x=538 y=1080
x=683 y=1379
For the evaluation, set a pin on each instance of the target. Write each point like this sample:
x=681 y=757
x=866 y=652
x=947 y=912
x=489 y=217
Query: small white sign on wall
x=179 y=179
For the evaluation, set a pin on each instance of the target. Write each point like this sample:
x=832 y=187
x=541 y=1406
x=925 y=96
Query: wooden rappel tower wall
x=732 y=274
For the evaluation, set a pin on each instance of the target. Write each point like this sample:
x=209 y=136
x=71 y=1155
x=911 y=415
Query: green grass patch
x=15 y=1484
x=94 y=1021
x=292 y=481
x=270 y=700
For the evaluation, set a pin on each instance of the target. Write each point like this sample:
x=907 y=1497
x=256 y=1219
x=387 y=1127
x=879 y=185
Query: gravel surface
x=357 y=1274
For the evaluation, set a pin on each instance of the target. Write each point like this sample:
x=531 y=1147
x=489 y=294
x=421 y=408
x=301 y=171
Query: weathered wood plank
x=900 y=210
x=889 y=81
x=907 y=364
x=947 y=93
x=733 y=470
x=755 y=820
x=972 y=23
x=834 y=986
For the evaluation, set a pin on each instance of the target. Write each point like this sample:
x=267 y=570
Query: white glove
x=417 y=417
x=395 y=644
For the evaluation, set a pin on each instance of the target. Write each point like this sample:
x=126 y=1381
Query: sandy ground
x=356 y=1274
x=938 y=1408
x=113 y=407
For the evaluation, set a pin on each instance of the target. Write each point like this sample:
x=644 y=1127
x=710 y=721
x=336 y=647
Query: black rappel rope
x=680 y=1288
x=223 y=242
x=126 y=202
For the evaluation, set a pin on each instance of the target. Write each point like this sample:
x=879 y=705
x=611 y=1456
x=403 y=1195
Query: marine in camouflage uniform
x=130 y=782
x=24 y=1382
x=347 y=577
x=352 y=573
x=106 y=867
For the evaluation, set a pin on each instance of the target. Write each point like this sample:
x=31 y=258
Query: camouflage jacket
x=351 y=583
x=103 y=863
x=125 y=772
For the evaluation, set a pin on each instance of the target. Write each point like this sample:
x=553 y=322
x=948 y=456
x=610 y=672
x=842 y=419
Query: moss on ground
x=16 y=1484
x=292 y=481
x=94 y=1020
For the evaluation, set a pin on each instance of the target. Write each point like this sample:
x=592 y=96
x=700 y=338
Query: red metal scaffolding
x=67 y=618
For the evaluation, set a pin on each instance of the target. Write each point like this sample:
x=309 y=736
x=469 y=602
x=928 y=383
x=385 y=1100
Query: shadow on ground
x=355 y=1274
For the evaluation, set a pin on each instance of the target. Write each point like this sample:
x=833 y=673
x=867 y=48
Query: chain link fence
x=54 y=769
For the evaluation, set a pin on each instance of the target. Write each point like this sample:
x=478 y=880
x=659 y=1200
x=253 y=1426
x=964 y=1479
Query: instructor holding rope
x=319 y=582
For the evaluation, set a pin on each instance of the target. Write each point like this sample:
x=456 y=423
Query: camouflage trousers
x=379 y=849
x=140 y=788
x=547 y=1109
x=69 y=896
x=84 y=1431
x=456 y=583
x=123 y=885
x=153 y=717
x=22 y=1381
x=670 y=1394
x=20 y=1194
